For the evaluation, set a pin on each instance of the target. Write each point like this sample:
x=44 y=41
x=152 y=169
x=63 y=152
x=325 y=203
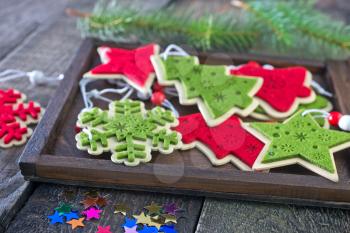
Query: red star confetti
x=227 y=142
x=15 y=116
x=282 y=90
x=92 y=213
x=101 y=229
x=133 y=66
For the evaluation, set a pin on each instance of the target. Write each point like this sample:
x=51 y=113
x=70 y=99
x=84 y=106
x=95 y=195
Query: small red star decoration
x=224 y=143
x=134 y=66
x=101 y=229
x=15 y=116
x=282 y=86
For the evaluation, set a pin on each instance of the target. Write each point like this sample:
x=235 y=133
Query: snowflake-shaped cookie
x=128 y=131
x=15 y=116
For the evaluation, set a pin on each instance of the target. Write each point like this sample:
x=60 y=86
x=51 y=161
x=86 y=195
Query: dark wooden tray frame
x=37 y=164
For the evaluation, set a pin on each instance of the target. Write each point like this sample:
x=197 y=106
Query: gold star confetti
x=157 y=222
x=143 y=219
x=169 y=218
x=121 y=208
x=76 y=223
x=153 y=209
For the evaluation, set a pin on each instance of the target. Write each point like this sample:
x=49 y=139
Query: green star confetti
x=300 y=140
x=217 y=94
x=128 y=131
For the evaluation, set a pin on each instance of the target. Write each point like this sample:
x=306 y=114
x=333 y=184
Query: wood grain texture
x=40 y=52
x=33 y=216
x=25 y=17
x=191 y=171
x=245 y=217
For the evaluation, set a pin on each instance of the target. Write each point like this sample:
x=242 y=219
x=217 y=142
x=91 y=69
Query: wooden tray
x=51 y=154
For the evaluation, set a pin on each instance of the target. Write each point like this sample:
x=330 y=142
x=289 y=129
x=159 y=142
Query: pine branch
x=285 y=27
x=164 y=27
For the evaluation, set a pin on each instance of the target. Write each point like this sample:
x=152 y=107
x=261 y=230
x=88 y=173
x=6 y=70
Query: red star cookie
x=283 y=88
x=227 y=142
x=134 y=66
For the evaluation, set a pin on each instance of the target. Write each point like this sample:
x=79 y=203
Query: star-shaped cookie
x=300 y=140
x=133 y=66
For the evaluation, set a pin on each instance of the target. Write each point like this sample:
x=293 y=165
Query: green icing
x=301 y=137
x=220 y=92
x=130 y=126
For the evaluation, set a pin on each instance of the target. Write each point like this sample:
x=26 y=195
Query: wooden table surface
x=36 y=34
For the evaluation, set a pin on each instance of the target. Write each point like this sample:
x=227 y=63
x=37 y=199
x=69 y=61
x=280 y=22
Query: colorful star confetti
x=92 y=213
x=76 y=223
x=101 y=229
x=55 y=218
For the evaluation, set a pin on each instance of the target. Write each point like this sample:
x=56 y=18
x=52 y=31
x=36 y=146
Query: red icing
x=10 y=128
x=281 y=86
x=227 y=138
x=134 y=64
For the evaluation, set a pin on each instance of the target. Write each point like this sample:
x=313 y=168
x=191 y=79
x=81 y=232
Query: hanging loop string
x=171 y=107
x=98 y=94
x=320 y=89
x=322 y=113
x=174 y=50
x=36 y=77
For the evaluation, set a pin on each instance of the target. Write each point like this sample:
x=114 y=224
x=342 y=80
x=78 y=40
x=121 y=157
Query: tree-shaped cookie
x=300 y=140
x=128 y=131
x=224 y=143
x=283 y=88
x=15 y=116
x=217 y=94
x=133 y=66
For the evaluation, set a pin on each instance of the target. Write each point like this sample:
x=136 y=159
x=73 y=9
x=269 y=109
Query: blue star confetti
x=71 y=215
x=167 y=229
x=147 y=229
x=55 y=218
x=129 y=222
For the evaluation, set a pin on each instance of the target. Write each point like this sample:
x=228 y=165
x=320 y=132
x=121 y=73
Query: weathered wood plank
x=239 y=216
x=38 y=52
x=20 y=19
x=33 y=216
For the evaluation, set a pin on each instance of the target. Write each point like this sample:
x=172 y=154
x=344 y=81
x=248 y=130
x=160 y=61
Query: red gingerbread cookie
x=283 y=89
x=227 y=142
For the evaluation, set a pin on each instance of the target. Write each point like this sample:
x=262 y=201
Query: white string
x=320 y=89
x=322 y=113
x=89 y=134
x=171 y=91
x=36 y=77
x=98 y=94
x=178 y=51
x=170 y=106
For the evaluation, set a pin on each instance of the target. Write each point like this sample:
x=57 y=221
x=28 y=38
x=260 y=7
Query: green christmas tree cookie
x=300 y=140
x=128 y=131
x=217 y=94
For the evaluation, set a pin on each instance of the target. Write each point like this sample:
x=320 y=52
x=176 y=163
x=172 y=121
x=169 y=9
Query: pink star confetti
x=101 y=229
x=130 y=229
x=92 y=213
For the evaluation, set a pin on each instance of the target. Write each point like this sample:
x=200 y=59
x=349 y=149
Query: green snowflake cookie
x=128 y=131
x=300 y=140
x=217 y=94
